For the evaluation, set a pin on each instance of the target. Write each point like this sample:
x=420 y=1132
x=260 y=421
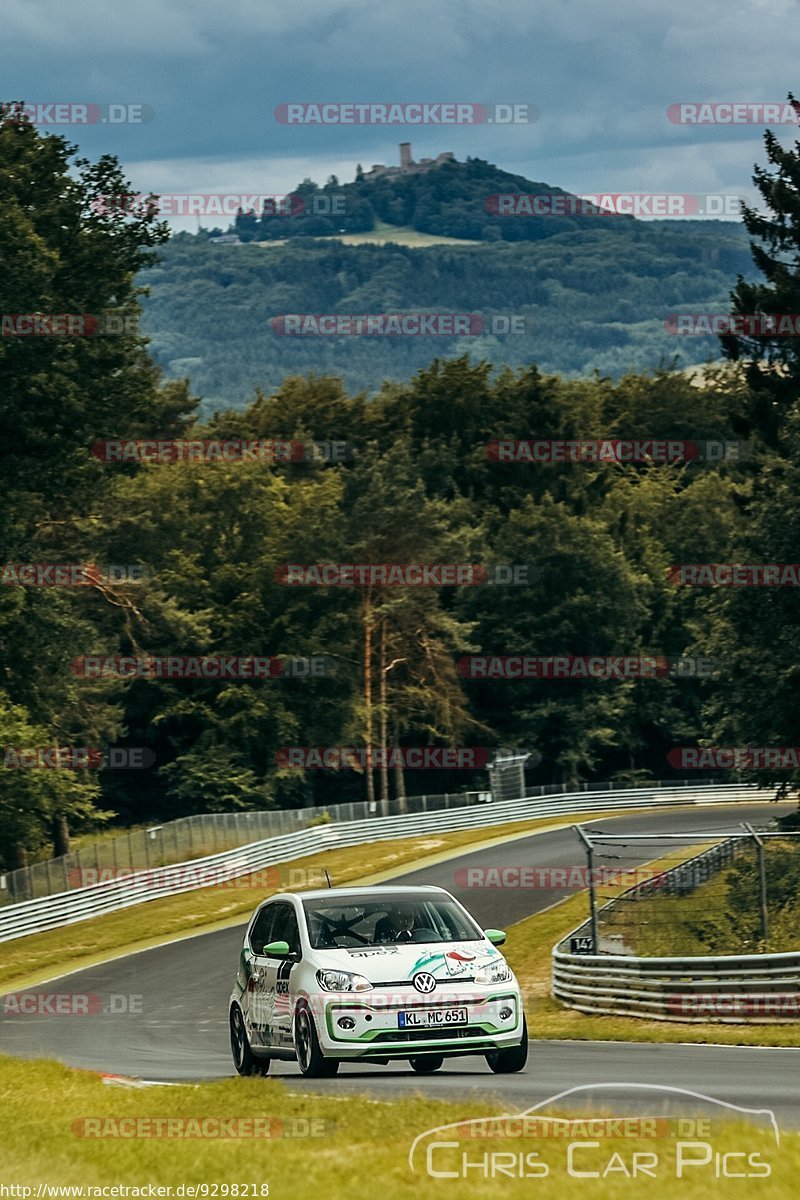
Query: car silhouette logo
x=424 y=982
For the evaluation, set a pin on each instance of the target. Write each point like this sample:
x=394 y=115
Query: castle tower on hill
x=407 y=164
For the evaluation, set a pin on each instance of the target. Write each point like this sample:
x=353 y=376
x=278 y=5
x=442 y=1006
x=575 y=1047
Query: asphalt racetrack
x=181 y=1032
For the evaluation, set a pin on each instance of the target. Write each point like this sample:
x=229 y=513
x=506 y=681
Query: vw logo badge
x=424 y=982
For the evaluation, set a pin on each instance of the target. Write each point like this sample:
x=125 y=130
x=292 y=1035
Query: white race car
x=370 y=975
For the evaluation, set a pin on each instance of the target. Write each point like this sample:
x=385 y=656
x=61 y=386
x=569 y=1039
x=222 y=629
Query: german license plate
x=427 y=1018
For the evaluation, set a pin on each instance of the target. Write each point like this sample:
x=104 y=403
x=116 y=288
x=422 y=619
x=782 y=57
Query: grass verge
x=723 y=915
x=27 y=960
x=530 y=943
x=43 y=1133
x=44 y=955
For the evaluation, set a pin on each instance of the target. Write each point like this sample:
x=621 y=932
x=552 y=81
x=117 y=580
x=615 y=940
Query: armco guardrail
x=725 y=988
x=204 y=834
x=66 y=908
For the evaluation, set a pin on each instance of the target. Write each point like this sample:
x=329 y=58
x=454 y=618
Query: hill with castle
x=407 y=165
x=437 y=196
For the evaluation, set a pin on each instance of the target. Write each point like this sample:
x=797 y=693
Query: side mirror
x=496 y=936
x=276 y=950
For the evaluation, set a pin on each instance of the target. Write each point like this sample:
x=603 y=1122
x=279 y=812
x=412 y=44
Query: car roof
x=361 y=893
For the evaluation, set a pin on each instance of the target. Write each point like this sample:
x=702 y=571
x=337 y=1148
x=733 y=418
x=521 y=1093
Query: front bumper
x=368 y=1026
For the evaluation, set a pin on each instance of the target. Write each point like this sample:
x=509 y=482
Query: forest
x=582 y=302
x=187 y=556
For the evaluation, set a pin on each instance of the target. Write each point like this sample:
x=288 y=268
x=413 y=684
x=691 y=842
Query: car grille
x=409 y=983
x=427 y=1035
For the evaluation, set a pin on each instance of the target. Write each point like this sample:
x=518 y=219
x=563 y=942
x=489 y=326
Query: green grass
x=26 y=960
x=529 y=947
x=402 y=235
x=362 y=1147
x=708 y=921
x=43 y=955
x=669 y=925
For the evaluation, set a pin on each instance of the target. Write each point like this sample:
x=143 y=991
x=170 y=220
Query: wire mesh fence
x=739 y=895
x=642 y=921
x=197 y=836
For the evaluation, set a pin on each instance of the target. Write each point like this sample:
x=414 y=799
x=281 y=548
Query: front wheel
x=426 y=1064
x=507 y=1062
x=243 y=1058
x=310 y=1058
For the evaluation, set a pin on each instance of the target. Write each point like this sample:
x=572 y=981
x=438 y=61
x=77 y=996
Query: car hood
x=397 y=963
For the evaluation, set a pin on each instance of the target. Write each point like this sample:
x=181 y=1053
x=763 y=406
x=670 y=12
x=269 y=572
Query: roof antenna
x=327 y=876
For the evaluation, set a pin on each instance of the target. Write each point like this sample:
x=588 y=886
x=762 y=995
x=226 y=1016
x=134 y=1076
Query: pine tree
x=772 y=363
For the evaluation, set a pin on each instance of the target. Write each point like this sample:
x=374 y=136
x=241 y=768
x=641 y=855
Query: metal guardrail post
x=762 y=879
x=31 y=912
x=133 y=848
x=762 y=986
x=592 y=898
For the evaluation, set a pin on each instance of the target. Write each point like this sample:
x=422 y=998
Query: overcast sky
x=602 y=76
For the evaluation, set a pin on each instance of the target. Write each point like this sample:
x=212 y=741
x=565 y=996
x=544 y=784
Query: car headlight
x=495 y=972
x=342 y=981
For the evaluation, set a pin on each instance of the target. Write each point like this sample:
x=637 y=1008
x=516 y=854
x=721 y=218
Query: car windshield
x=345 y=922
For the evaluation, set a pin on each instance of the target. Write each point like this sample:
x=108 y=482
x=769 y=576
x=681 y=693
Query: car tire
x=426 y=1064
x=507 y=1062
x=244 y=1060
x=312 y=1062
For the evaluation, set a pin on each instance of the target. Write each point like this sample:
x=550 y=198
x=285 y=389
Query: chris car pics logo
x=699 y=1147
